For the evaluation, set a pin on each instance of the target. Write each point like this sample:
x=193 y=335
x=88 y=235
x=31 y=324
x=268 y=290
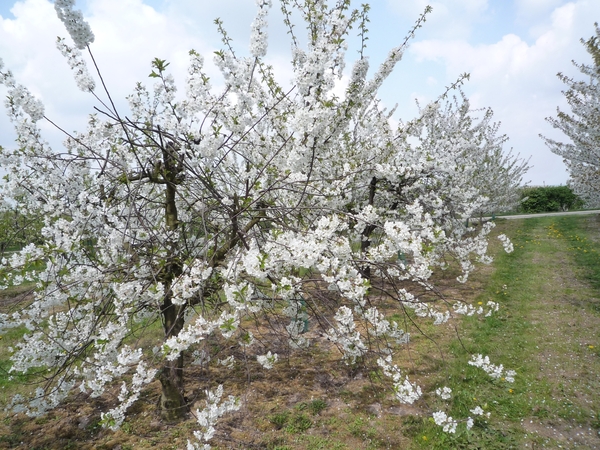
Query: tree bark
x=173 y=406
x=366 y=234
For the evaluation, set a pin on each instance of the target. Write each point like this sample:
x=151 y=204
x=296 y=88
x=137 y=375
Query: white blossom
x=494 y=371
x=83 y=79
x=447 y=423
x=445 y=392
x=268 y=360
x=79 y=29
x=508 y=246
x=207 y=417
x=405 y=391
x=258 y=37
x=478 y=411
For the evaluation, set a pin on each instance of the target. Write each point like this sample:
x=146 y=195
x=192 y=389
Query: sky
x=512 y=50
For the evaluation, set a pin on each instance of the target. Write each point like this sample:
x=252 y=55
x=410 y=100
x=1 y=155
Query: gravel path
x=530 y=216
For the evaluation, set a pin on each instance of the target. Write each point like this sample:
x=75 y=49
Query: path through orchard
x=551 y=329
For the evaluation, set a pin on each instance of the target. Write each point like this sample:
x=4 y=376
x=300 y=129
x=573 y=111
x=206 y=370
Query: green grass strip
x=577 y=231
x=520 y=283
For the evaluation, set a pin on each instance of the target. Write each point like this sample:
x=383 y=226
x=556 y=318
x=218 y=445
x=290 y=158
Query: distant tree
x=17 y=228
x=486 y=168
x=582 y=126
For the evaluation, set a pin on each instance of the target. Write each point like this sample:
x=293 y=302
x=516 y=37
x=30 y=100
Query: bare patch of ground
x=14 y=298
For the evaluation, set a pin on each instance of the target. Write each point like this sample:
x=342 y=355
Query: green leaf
x=160 y=65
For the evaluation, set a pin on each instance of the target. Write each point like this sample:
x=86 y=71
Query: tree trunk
x=173 y=406
x=366 y=234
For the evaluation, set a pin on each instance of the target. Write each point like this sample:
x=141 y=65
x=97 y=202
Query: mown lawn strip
x=542 y=331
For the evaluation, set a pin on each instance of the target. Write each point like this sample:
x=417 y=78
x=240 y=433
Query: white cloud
x=27 y=47
x=129 y=35
x=518 y=80
x=472 y=8
x=448 y=18
x=531 y=9
x=511 y=58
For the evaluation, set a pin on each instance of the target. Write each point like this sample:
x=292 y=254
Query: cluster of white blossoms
x=259 y=35
x=446 y=422
x=425 y=310
x=303 y=210
x=379 y=326
x=406 y=392
x=207 y=418
x=445 y=392
x=495 y=371
x=346 y=335
x=469 y=310
x=79 y=29
x=506 y=243
x=128 y=395
x=77 y=64
x=19 y=98
x=268 y=360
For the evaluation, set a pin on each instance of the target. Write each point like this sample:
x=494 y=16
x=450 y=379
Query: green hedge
x=548 y=199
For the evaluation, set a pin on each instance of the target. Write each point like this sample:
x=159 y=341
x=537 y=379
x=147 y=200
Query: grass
x=545 y=317
x=582 y=237
x=547 y=330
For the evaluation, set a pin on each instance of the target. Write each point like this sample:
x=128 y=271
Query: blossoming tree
x=582 y=154
x=202 y=210
x=481 y=163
